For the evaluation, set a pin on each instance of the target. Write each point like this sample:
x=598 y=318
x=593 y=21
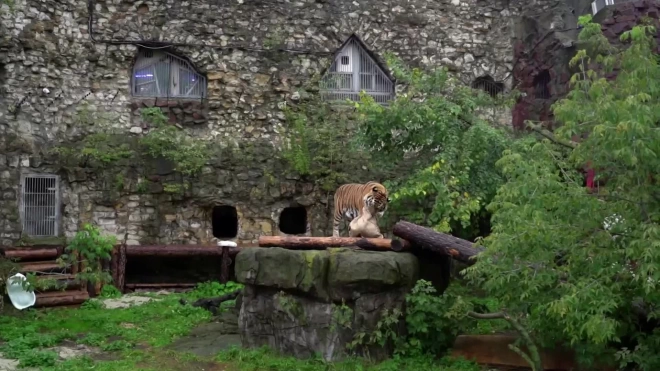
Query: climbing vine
x=118 y=154
x=321 y=144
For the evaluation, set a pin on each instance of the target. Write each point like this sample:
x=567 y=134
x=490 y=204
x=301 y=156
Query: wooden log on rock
x=59 y=298
x=440 y=243
x=31 y=253
x=322 y=243
x=177 y=250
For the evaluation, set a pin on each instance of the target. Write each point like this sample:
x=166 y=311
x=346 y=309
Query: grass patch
x=28 y=335
x=134 y=338
x=266 y=359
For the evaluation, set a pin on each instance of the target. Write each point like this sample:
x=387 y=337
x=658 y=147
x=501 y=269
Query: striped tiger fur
x=350 y=198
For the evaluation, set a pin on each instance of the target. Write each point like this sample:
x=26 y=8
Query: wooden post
x=226 y=248
x=121 y=268
x=226 y=261
x=114 y=263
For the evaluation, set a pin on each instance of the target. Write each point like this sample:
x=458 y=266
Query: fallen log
x=426 y=238
x=322 y=243
x=30 y=253
x=212 y=304
x=177 y=250
x=44 y=266
x=58 y=298
x=62 y=281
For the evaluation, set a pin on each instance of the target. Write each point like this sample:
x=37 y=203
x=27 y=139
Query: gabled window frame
x=160 y=74
x=354 y=69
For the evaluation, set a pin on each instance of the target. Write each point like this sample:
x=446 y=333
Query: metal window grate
x=598 y=5
x=542 y=85
x=160 y=74
x=352 y=71
x=487 y=84
x=39 y=205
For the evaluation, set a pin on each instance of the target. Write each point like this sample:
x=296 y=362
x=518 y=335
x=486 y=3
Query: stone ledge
x=333 y=275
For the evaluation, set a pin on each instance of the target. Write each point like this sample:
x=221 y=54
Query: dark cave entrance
x=293 y=220
x=224 y=220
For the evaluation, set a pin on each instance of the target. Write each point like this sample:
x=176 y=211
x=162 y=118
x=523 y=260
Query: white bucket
x=20 y=298
x=227 y=244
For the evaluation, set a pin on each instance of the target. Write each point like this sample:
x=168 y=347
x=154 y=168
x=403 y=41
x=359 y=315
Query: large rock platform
x=303 y=303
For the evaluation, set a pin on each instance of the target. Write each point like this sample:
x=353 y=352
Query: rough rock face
x=303 y=303
x=255 y=55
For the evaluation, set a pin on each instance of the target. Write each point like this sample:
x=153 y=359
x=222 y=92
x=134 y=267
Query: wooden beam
x=322 y=243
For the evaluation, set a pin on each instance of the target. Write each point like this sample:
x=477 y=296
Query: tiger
x=351 y=197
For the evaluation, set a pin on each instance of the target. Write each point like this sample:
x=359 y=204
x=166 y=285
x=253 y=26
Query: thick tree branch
x=546 y=133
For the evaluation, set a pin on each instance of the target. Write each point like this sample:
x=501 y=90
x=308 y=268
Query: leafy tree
x=440 y=150
x=580 y=268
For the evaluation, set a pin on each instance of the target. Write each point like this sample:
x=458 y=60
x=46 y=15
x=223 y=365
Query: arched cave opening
x=489 y=85
x=293 y=220
x=542 y=85
x=224 y=220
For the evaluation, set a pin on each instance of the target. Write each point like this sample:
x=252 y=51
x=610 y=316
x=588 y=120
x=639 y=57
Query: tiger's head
x=377 y=198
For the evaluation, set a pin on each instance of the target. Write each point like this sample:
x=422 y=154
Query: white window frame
x=353 y=70
x=166 y=76
x=33 y=215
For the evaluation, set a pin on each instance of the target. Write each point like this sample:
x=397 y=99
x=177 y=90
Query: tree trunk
x=440 y=243
x=322 y=243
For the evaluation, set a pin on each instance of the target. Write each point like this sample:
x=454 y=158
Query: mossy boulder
x=334 y=275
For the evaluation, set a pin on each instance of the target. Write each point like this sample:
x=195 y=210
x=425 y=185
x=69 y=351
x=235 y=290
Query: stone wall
x=256 y=55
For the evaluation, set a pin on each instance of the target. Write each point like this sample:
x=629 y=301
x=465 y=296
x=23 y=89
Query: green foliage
x=321 y=145
x=110 y=291
x=440 y=151
x=88 y=247
x=579 y=268
x=169 y=142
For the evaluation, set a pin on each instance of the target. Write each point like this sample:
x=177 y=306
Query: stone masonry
x=256 y=55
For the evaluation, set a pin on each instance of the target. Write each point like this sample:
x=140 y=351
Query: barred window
x=354 y=70
x=161 y=74
x=40 y=205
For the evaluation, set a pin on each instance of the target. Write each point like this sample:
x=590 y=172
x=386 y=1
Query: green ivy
x=321 y=145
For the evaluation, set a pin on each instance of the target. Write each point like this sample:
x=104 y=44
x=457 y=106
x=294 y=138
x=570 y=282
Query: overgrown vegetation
x=124 y=159
x=321 y=146
x=580 y=268
x=443 y=152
